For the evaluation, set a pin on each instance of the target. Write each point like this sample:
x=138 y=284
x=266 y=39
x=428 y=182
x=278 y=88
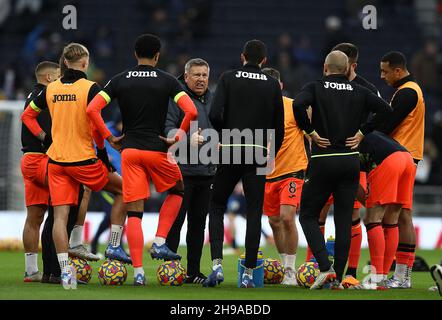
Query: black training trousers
x=197 y=194
x=226 y=178
x=48 y=252
x=337 y=175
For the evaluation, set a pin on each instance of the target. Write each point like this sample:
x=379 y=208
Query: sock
x=376 y=278
x=216 y=263
x=31 y=265
x=159 y=241
x=355 y=248
x=116 y=233
x=63 y=261
x=283 y=256
x=135 y=238
x=138 y=270
x=376 y=246
x=411 y=262
x=412 y=256
x=391 y=235
x=400 y=272
x=405 y=253
x=168 y=213
x=290 y=261
x=309 y=251
x=76 y=236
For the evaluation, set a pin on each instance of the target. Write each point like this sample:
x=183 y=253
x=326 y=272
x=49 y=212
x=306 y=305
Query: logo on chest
x=250 y=75
x=63 y=97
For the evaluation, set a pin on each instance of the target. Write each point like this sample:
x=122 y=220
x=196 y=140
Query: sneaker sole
x=73 y=255
x=118 y=259
x=158 y=257
x=329 y=278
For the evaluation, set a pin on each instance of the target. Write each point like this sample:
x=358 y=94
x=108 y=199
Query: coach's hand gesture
x=196 y=139
x=353 y=142
x=115 y=142
x=321 y=142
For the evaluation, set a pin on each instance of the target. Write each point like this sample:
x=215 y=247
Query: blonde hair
x=73 y=52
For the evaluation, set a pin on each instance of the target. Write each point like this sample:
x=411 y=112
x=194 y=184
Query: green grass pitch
x=13 y=287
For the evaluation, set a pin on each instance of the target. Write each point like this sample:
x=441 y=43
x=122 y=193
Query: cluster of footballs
x=172 y=273
x=113 y=272
x=305 y=275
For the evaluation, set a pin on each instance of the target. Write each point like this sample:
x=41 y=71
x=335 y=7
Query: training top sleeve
x=40 y=102
x=174 y=117
x=403 y=103
x=109 y=91
x=183 y=101
x=31 y=112
x=219 y=102
x=97 y=100
x=93 y=91
x=381 y=110
x=302 y=101
x=175 y=88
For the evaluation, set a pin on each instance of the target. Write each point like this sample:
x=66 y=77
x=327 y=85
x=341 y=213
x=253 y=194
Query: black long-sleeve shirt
x=338 y=110
x=246 y=98
x=29 y=142
x=403 y=103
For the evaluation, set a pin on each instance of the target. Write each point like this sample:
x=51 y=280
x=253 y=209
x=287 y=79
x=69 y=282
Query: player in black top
x=245 y=98
x=143 y=94
x=352 y=52
x=33 y=168
x=338 y=109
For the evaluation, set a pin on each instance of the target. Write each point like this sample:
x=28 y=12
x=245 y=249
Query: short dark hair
x=147 y=46
x=254 y=51
x=45 y=65
x=350 y=50
x=395 y=59
x=271 y=72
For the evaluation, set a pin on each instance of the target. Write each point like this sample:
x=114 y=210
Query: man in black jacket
x=198 y=177
x=338 y=109
x=246 y=107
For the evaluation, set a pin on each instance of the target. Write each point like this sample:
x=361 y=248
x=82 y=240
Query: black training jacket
x=246 y=98
x=339 y=108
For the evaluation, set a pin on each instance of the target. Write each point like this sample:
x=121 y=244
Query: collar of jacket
x=404 y=80
x=39 y=86
x=71 y=75
x=250 y=65
x=336 y=76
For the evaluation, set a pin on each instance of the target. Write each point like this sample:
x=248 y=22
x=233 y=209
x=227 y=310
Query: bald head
x=336 y=62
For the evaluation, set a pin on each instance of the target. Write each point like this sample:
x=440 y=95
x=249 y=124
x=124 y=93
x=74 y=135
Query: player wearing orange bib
x=406 y=125
x=72 y=157
x=283 y=188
